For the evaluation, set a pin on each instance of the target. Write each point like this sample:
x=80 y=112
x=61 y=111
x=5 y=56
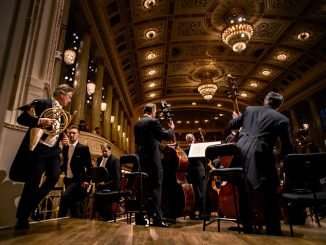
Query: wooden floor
x=185 y=231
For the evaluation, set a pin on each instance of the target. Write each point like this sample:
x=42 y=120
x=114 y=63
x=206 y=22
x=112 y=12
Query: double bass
x=225 y=197
x=226 y=205
x=178 y=197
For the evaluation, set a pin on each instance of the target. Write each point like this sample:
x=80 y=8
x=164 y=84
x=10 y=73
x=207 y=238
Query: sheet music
x=198 y=149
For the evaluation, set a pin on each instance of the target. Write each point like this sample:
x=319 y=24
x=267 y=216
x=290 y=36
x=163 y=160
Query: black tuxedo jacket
x=80 y=162
x=148 y=136
x=261 y=127
x=20 y=164
x=113 y=167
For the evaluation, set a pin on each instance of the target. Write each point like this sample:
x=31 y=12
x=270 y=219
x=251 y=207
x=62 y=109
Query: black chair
x=226 y=174
x=135 y=189
x=304 y=184
x=100 y=177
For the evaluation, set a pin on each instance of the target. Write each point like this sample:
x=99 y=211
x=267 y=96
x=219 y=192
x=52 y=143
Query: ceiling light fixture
x=303 y=35
x=238 y=32
x=254 y=84
x=152 y=85
x=151 y=72
x=266 y=72
x=151 y=56
x=150 y=34
x=282 y=56
x=149 y=4
x=207 y=88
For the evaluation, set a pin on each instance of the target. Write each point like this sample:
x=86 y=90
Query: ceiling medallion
x=207 y=88
x=238 y=32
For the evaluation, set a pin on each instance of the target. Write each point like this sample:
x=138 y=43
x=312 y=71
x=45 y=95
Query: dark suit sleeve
x=160 y=132
x=98 y=161
x=28 y=120
x=237 y=122
x=87 y=161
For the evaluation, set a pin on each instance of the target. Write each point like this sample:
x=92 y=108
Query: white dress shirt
x=71 y=150
x=104 y=160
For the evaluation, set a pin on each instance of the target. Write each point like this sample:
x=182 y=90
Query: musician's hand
x=46 y=122
x=235 y=115
x=171 y=124
x=85 y=185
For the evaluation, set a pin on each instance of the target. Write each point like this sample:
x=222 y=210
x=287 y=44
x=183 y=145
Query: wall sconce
x=119 y=127
x=103 y=106
x=91 y=88
x=69 y=56
x=112 y=119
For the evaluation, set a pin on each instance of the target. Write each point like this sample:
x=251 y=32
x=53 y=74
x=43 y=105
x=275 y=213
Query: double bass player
x=262 y=126
x=148 y=136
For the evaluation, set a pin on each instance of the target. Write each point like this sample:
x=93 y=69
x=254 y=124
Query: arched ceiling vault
x=185 y=38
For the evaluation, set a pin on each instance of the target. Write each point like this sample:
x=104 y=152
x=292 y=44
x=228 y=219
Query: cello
x=178 y=195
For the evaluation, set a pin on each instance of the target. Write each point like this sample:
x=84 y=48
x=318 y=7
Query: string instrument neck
x=233 y=92
x=201 y=135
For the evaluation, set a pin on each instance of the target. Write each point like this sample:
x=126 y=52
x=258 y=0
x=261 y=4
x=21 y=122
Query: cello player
x=261 y=127
x=148 y=135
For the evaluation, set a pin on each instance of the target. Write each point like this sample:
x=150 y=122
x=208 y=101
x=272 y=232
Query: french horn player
x=39 y=151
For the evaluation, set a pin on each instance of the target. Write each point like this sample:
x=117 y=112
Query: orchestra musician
x=29 y=165
x=148 y=136
x=196 y=177
x=261 y=127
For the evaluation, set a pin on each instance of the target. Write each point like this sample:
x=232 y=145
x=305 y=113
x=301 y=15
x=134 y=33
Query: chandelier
x=238 y=32
x=207 y=88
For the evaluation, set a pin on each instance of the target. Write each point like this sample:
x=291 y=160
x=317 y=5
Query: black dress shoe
x=161 y=224
x=22 y=224
x=36 y=215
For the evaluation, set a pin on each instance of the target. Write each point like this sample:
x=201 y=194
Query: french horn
x=62 y=121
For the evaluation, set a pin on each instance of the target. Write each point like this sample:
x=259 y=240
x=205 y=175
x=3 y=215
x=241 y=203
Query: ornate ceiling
x=157 y=53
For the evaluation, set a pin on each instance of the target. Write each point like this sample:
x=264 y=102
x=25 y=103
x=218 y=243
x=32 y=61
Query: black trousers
x=196 y=177
x=46 y=160
x=260 y=206
x=73 y=194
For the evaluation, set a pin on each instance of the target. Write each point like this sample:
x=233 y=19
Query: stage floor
x=185 y=231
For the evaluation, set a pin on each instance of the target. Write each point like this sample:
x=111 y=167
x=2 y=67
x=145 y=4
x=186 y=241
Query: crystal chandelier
x=207 y=88
x=238 y=32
